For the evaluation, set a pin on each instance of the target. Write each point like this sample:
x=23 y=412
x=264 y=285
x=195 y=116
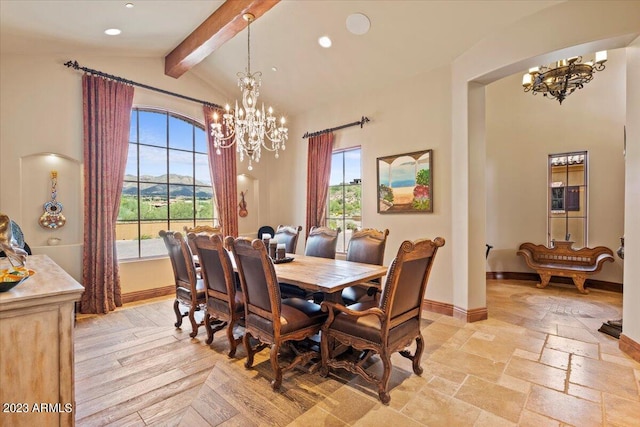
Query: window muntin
x=167 y=183
x=344 y=208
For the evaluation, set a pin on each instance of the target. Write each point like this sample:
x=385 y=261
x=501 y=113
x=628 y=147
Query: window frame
x=169 y=149
x=344 y=236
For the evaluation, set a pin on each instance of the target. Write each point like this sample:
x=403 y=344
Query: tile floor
x=537 y=361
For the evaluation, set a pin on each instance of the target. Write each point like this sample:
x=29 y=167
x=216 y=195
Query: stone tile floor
x=537 y=361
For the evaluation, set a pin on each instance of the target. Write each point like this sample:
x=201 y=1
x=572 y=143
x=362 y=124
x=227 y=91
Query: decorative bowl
x=11 y=277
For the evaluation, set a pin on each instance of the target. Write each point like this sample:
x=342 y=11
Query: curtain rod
x=76 y=66
x=361 y=122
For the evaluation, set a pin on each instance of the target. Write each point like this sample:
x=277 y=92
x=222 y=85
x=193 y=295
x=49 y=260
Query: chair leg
x=250 y=351
x=207 y=325
x=277 y=381
x=383 y=384
x=233 y=343
x=176 y=309
x=417 y=369
x=415 y=358
x=192 y=319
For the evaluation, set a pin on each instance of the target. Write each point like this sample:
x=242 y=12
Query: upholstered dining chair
x=269 y=319
x=200 y=229
x=288 y=234
x=387 y=326
x=322 y=242
x=190 y=290
x=225 y=305
x=366 y=245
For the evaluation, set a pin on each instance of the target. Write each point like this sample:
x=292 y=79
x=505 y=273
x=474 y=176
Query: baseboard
x=589 y=283
x=437 y=307
x=148 y=294
x=630 y=347
x=468 y=316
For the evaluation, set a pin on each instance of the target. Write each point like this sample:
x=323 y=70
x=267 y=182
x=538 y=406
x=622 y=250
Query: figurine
x=7 y=245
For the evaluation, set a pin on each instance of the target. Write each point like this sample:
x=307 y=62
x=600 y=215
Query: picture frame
x=405 y=183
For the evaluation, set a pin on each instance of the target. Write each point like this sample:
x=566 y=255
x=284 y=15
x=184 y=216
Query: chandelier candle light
x=561 y=80
x=249 y=127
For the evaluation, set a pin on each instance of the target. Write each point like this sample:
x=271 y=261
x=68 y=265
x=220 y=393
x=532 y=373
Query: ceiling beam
x=217 y=29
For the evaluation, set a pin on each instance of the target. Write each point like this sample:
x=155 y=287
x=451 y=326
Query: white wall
x=405 y=117
x=522 y=130
x=536 y=39
x=41 y=112
x=631 y=314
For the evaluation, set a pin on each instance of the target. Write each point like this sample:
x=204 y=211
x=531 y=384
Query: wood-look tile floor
x=537 y=361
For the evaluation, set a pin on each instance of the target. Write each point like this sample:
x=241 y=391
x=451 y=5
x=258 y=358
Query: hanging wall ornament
x=52 y=217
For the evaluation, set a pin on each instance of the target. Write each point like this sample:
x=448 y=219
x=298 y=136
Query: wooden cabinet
x=36 y=347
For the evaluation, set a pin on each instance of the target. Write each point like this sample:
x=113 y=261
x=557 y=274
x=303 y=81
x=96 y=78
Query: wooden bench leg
x=544 y=279
x=579 y=282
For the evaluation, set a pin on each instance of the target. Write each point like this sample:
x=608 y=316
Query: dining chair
x=387 y=326
x=190 y=289
x=288 y=234
x=200 y=229
x=224 y=304
x=367 y=246
x=269 y=319
x=322 y=242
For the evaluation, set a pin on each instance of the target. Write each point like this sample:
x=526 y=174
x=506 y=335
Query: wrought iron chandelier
x=561 y=80
x=250 y=128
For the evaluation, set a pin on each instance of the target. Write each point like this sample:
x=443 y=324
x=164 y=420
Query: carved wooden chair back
x=389 y=326
x=207 y=230
x=189 y=289
x=269 y=319
x=322 y=242
x=366 y=245
x=288 y=234
x=224 y=303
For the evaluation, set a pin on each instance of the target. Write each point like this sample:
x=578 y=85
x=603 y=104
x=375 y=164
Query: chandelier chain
x=249 y=127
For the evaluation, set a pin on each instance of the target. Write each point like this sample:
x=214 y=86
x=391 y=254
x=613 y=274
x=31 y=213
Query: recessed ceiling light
x=128 y=5
x=324 y=41
x=112 y=31
x=274 y=68
x=358 y=23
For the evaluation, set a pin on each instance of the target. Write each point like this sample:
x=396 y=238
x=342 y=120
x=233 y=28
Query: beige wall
x=41 y=113
x=522 y=130
x=603 y=25
x=631 y=314
x=406 y=117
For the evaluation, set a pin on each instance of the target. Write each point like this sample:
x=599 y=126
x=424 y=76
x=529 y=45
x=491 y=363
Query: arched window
x=167 y=183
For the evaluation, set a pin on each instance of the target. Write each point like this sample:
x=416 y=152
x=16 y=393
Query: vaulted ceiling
x=406 y=38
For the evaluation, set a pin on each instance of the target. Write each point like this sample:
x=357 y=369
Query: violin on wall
x=243 y=205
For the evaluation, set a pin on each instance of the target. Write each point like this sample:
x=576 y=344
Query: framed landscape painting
x=405 y=183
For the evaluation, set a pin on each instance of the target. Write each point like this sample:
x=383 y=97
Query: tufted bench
x=563 y=260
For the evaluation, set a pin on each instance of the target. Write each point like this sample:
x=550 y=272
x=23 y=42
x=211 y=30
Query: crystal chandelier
x=249 y=127
x=561 y=80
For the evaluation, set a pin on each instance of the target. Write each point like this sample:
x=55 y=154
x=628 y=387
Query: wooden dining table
x=329 y=276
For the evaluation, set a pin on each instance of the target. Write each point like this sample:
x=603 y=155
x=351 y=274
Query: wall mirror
x=567 y=211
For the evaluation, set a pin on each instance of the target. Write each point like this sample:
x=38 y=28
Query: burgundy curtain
x=318 y=174
x=223 y=177
x=107 y=115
